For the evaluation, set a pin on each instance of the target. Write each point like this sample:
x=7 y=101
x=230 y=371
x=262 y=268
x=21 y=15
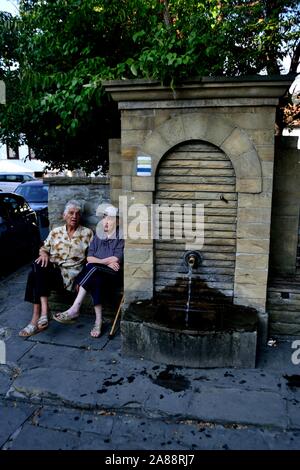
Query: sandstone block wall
x=89 y=191
x=286 y=207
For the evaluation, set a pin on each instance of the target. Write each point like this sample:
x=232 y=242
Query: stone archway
x=217 y=131
x=250 y=268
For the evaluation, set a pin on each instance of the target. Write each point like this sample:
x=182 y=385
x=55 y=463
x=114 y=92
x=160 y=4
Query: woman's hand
x=110 y=260
x=43 y=259
x=115 y=266
x=106 y=261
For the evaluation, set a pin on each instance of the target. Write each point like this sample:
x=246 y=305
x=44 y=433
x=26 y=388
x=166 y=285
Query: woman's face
x=72 y=217
x=109 y=223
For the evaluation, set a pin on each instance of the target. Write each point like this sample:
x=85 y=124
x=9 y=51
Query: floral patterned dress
x=68 y=253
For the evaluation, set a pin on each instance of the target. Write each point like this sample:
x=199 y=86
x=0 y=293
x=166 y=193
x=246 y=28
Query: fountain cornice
x=206 y=91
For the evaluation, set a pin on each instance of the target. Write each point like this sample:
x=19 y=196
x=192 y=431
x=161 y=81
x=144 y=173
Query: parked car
x=10 y=181
x=19 y=232
x=36 y=194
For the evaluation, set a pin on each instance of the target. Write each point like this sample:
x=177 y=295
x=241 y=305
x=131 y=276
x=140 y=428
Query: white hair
x=72 y=204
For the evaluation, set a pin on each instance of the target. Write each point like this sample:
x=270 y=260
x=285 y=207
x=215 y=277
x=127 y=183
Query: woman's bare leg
x=36 y=313
x=96 y=330
x=74 y=310
x=44 y=306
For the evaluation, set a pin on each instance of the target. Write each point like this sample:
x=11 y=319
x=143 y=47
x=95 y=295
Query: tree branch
x=167 y=18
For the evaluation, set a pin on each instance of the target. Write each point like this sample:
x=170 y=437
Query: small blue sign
x=144 y=165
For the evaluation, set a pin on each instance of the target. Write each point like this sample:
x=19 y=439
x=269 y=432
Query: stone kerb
x=209 y=128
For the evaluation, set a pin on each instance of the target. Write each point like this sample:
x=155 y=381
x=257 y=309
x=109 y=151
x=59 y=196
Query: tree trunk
x=167 y=18
x=272 y=54
x=295 y=59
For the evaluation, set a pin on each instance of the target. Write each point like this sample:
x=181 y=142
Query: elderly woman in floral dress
x=60 y=260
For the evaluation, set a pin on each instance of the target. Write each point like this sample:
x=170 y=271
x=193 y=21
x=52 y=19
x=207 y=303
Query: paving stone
x=91 y=441
x=35 y=438
x=283 y=441
x=293 y=410
x=85 y=389
x=203 y=437
x=145 y=433
x=16 y=347
x=77 y=334
x=225 y=377
x=16 y=316
x=245 y=439
x=237 y=406
x=76 y=420
x=5 y=380
x=62 y=357
x=12 y=416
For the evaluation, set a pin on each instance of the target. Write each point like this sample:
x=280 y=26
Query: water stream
x=187 y=309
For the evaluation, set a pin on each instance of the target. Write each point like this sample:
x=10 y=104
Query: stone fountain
x=208 y=143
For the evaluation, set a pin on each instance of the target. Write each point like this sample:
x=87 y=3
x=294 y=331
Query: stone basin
x=229 y=342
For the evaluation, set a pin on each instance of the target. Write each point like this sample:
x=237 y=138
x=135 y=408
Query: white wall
x=23 y=152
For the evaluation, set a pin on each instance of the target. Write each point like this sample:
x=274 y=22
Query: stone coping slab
x=250 y=87
x=75 y=180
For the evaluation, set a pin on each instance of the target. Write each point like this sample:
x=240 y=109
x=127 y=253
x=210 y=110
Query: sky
x=9 y=5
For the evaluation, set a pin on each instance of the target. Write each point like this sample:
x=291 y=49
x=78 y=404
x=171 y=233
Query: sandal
x=29 y=330
x=43 y=322
x=96 y=331
x=65 y=317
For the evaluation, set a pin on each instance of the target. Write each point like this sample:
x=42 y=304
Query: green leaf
x=133 y=70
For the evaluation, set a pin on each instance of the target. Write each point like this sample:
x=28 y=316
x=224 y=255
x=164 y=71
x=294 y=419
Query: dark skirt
x=101 y=281
x=41 y=281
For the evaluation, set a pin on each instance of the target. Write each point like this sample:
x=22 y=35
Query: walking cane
x=111 y=334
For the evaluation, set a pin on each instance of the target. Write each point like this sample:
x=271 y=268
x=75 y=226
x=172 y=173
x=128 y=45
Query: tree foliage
x=54 y=56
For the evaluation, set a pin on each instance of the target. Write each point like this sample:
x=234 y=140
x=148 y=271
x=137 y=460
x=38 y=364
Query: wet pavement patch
x=108 y=383
x=227 y=374
x=292 y=380
x=172 y=381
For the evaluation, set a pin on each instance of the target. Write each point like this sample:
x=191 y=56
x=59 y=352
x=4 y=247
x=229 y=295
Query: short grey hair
x=74 y=204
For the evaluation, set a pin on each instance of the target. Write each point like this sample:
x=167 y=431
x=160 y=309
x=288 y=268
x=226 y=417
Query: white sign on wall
x=144 y=165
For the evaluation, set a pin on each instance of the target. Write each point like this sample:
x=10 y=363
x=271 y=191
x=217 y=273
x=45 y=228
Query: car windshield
x=33 y=193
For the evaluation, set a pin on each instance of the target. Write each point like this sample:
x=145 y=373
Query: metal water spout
x=192 y=259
